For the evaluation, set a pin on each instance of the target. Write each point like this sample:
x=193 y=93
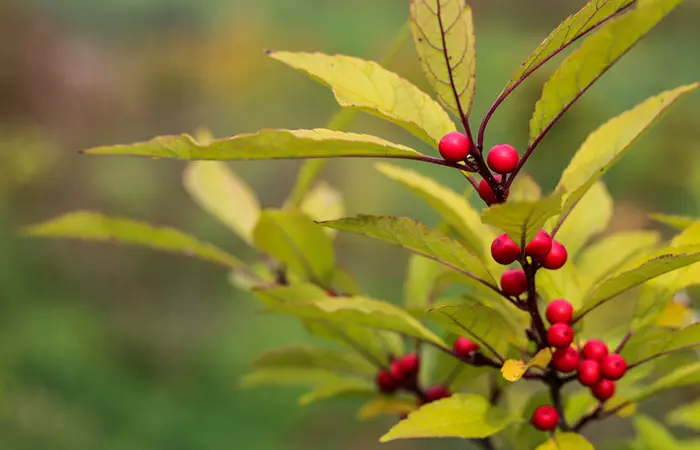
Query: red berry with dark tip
x=504 y=250
x=487 y=194
x=595 y=350
x=436 y=393
x=613 y=366
x=545 y=418
x=566 y=359
x=502 y=158
x=588 y=372
x=556 y=258
x=454 y=147
x=386 y=382
x=464 y=346
x=603 y=390
x=540 y=245
x=560 y=335
x=514 y=282
x=559 y=311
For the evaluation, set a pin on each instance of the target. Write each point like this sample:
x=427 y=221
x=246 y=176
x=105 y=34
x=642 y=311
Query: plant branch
x=555 y=383
x=659 y=355
x=594 y=415
x=532 y=309
x=623 y=342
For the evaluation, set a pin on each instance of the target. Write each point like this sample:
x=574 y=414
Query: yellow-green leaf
x=224 y=195
x=359 y=311
x=562 y=283
x=524 y=189
x=338 y=388
x=593 y=58
x=652 y=300
x=675 y=315
x=659 y=263
x=686 y=415
x=677 y=222
x=566 y=441
x=443 y=33
x=419 y=285
x=452 y=207
x=386 y=406
x=688 y=276
x=588 y=218
x=287 y=377
x=265 y=144
x=418 y=238
x=466 y=416
x=335 y=360
x=609 y=143
x=323 y=202
x=294 y=239
x=90 y=226
x=523 y=220
x=657 y=341
x=366 y=85
x=676 y=377
x=653 y=435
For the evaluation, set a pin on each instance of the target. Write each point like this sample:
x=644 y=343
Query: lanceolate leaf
x=566 y=441
x=677 y=222
x=452 y=207
x=443 y=33
x=368 y=86
x=609 y=143
x=338 y=388
x=466 y=416
x=382 y=406
x=687 y=416
x=595 y=56
x=562 y=283
x=323 y=202
x=288 y=377
x=265 y=144
x=660 y=262
x=656 y=341
x=522 y=220
x=675 y=378
x=524 y=189
x=335 y=360
x=416 y=237
x=90 y=226
x=423 y=274
x=221 y=193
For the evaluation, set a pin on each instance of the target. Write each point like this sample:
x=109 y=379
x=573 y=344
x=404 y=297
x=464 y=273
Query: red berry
x=540 y=245
x=603 y=390
x=566 y=359
x=504 y=250
x=514 y=282
x=560 y=335
x=502 y=158
x=487 y=194
x=556 y=257
x=613 y=366
x=410 y=364
x=595 y=350
x=397 y=372
x=559 y=311
x=385 y=382
x=545 y=418
x=588 y=372
x=436 y=393
x=464 y=347
x=454 y=147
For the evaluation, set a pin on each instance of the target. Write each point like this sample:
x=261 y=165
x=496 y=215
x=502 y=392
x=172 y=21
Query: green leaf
x=566 y=441
x=287 y=377
x=419 y=285
x=524 y=189
x=366 y=85
x=659 y=263
x=609 y=254
x=609 y=143
x=418 y=238
x=386 y=406
x=562 y=283
x=359 y=311
x=443 y=33
x=339 y=361
x=654 y=435
x=590 y=61
x=679 y=377
x=90 y=226
x=653 y=298
x=265 y=144
x=223 y=195
x=688 y=276
x=452 y=207
x=466 y=416
x=677 y=222
x=686 y=415
x=572 y=28
x=523 y=220
x=294 y=239
x=657 y=341
x=323 y=202
x=289 y=293
x=589 y=218
x=338 y=388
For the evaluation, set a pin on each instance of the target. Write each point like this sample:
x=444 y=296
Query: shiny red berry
x=487 y=194
x=504 y=250
x=397 y=372
x=464 y=346
x=559 y=311
x=560 y=335
x=588 y=372
x=566 y=359
x=540 y=245
x=595 y=350
x=436 y=393
x=386 y=382
x=410 y=364
x=603 y=390
x=556 y=257
x=502 y=158
x=514 y=282
x=545 y=418
x=454 y=147
x=613 y=366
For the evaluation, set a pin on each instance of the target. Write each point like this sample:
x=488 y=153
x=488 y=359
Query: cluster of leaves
x=298 y=274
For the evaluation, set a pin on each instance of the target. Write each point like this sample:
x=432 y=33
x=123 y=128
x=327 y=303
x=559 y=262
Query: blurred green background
x=115 y=348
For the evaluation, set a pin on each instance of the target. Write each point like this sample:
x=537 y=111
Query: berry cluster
x=403 y=374
x=502 y=159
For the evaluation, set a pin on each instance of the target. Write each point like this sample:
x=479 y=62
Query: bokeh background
x=115 y=348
